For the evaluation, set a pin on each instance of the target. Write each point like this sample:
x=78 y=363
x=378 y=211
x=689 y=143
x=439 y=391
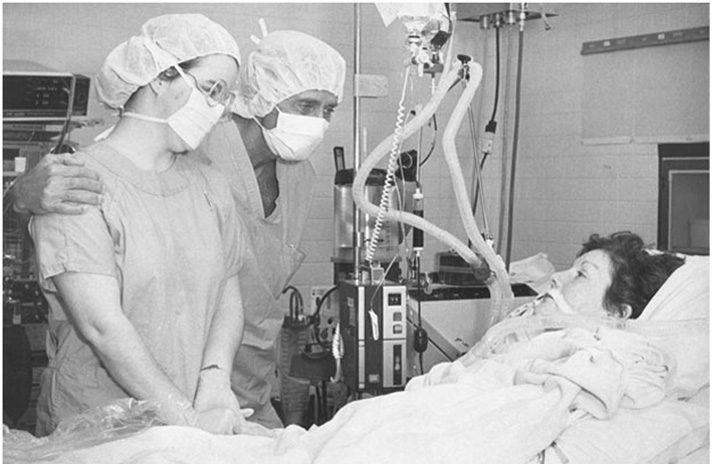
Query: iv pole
x=357 y=237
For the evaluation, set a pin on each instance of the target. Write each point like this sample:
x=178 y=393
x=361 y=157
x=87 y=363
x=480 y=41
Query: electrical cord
x=70 y=109
x=432 y=145
x=420 y=336
x=477 y=182
x=496 y=79
x=477 y=188
x=314 y=319
x=492 y=124
x=401 y=201
x=320 y=301
x=419 y=152
x=390 y=172
x=296 y=302
x=60 y=147
x=381 y=282
x=313 y=323
x=401 y=205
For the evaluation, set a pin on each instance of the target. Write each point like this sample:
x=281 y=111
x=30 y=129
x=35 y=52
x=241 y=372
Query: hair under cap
x=164 y=42
x=285 y=64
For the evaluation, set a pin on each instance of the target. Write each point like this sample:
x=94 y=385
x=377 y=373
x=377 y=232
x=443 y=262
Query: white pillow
x=685 y=295
x=679 y=317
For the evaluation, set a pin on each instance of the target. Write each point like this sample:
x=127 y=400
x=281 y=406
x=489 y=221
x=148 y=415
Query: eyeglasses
x=217 y=94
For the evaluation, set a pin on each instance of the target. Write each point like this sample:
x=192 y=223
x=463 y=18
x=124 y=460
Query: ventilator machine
x=392 y=320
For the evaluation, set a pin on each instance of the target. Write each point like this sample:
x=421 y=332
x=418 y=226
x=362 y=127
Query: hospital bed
x=477 y=409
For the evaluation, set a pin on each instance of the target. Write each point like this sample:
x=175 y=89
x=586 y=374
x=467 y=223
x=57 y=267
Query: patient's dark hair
x=637 y=273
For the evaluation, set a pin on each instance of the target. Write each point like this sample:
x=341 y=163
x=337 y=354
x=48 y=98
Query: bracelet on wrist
x=210 y=367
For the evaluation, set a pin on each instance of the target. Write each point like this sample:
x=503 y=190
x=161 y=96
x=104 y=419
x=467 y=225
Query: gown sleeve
x=72 y=243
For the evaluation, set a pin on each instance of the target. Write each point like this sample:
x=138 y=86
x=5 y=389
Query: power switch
x=394 y=299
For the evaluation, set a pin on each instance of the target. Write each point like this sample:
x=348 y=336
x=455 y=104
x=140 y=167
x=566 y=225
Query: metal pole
x=357 y=236
x=478 y=174
x=515 y=145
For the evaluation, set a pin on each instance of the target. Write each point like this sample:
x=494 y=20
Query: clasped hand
x=217 y=409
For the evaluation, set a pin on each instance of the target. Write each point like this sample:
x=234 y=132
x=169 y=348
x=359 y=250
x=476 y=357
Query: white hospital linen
x=681 y=312
x=504 y=409
x=685 y=295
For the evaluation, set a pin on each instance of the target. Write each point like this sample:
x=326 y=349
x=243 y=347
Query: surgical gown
x=273 y=260
x=171 y=239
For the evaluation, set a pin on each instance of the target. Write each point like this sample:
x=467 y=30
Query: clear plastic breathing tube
x=359 y=184
x=499 y=287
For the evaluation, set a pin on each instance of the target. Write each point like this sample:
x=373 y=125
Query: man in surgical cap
x=290 y=86
x=289 y=89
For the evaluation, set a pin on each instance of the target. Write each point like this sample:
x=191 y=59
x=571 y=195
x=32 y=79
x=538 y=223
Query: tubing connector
x=418 y=200
x=488 y=137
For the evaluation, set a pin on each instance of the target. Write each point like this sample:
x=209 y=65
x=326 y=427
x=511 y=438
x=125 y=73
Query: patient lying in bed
x=571 y=378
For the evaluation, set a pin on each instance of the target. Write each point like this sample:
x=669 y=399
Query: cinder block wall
x=77 y=37
x=565 y=189
x=567 y=185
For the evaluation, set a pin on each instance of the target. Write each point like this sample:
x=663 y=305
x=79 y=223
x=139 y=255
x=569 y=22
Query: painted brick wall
x=565 y=190
x=77 y=37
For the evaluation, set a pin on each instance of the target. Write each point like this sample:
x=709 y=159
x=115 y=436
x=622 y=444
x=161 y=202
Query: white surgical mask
x=296 y=136
x=192 y=121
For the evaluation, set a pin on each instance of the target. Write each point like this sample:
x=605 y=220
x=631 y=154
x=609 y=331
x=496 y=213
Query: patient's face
x=585 y=283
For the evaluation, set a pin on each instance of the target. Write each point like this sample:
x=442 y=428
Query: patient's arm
x=93 y=303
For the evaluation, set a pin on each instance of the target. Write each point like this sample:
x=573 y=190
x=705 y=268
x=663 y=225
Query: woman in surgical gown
x=289 y=88
x=143 y=291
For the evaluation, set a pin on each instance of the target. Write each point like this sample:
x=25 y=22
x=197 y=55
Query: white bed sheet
x=500 y=410
x=504 y=409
